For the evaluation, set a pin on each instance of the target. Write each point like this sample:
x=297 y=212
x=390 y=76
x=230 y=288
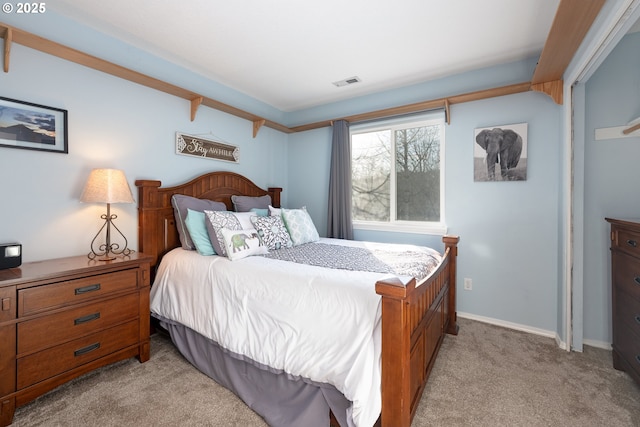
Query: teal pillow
x=195 y=223
x=181 y=204
x=260 y=212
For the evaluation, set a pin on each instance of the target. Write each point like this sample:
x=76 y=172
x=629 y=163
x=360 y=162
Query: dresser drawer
x=627 y=241
x=45 y=332
x=627 y=344
x=39 y=298
x=56 y=360
x=627 y=312
x=626 y=274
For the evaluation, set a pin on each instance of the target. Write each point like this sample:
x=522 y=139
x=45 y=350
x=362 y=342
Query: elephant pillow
x=216 y=221
x=242 y=243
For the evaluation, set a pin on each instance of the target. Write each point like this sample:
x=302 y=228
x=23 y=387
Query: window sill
x=438 y=229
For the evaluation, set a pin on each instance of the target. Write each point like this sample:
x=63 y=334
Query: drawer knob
x=87 y=349
x=87 y=318
x=85 y=289
x=637 y=280
x=632 y=243
x=638 y=319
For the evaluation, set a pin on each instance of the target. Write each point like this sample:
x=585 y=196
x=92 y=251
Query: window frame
x=394 y=225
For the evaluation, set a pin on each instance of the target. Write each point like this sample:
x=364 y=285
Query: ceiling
x=287 y=53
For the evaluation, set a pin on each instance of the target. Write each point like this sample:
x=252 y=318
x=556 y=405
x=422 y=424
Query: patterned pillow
x=300 y=226
x=216 y=222
x=242 y=243
x=272 y=231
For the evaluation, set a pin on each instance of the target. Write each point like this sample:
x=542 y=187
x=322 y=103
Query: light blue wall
x=509 y=231
x=112 y=123
x=611 y=175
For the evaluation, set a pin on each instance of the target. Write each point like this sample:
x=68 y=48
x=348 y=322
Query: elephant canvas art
x=502 y=148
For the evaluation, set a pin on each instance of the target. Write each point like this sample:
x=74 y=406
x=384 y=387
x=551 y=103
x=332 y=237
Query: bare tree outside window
x=418 y=174
x=396 y=173
x=371 y=175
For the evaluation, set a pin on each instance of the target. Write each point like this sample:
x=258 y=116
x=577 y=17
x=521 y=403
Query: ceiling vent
x=349 y=81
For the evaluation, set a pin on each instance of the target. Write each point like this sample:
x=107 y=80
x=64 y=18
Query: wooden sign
x=190 y=145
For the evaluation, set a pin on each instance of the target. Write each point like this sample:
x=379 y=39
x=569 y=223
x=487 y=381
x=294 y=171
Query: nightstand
x=62 y=318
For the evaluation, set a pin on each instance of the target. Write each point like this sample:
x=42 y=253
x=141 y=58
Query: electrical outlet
x=467 y=284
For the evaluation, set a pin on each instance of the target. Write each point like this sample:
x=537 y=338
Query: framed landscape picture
x=32 y=126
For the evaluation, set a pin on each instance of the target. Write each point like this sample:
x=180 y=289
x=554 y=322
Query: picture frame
x=33 y=126
x=500 y=153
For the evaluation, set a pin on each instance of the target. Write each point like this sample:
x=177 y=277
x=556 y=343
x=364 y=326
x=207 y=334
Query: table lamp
x=107 y=186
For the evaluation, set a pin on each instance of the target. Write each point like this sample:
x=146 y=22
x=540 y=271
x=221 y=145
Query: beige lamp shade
x=107 y=186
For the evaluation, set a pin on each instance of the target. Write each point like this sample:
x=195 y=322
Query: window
x=397 y=174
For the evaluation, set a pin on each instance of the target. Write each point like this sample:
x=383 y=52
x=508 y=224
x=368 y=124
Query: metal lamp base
x=108 y=251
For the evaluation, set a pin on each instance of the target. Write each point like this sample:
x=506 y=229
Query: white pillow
x=242 y=243
x=245 y=218
x=274 y=211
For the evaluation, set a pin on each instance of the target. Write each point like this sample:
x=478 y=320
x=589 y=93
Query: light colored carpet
x=485 y=376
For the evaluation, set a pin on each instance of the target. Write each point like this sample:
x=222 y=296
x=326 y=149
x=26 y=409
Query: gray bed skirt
x=281 y=399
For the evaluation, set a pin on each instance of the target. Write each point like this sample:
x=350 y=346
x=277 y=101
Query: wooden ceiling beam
x=570 y=25
x=417 y=107
x=572 y=21
x=8 y=38
x=555 y=89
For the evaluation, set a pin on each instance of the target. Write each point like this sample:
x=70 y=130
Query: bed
x=413 y=317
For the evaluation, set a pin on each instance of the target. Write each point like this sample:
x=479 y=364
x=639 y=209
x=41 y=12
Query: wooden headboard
x=157 y=232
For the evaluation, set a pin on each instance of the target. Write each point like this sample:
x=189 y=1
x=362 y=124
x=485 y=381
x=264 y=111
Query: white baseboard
x=516 y=326
x=524 y=328
x=598 y=344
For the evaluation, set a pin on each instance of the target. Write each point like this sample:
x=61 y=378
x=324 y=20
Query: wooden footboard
x=415 y=318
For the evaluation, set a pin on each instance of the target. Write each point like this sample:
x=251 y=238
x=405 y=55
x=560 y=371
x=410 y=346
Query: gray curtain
x=339 y=223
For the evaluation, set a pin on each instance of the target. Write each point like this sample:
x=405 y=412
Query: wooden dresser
x=64 y=317
x=625 y=289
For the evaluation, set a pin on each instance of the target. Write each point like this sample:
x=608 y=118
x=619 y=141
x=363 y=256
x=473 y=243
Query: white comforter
x=318 y=323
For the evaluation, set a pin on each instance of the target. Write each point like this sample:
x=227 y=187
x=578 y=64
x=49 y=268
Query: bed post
x=147 y=241
x=396 y=347
x=274 y=192
x=415 y=318
x=451 y=243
